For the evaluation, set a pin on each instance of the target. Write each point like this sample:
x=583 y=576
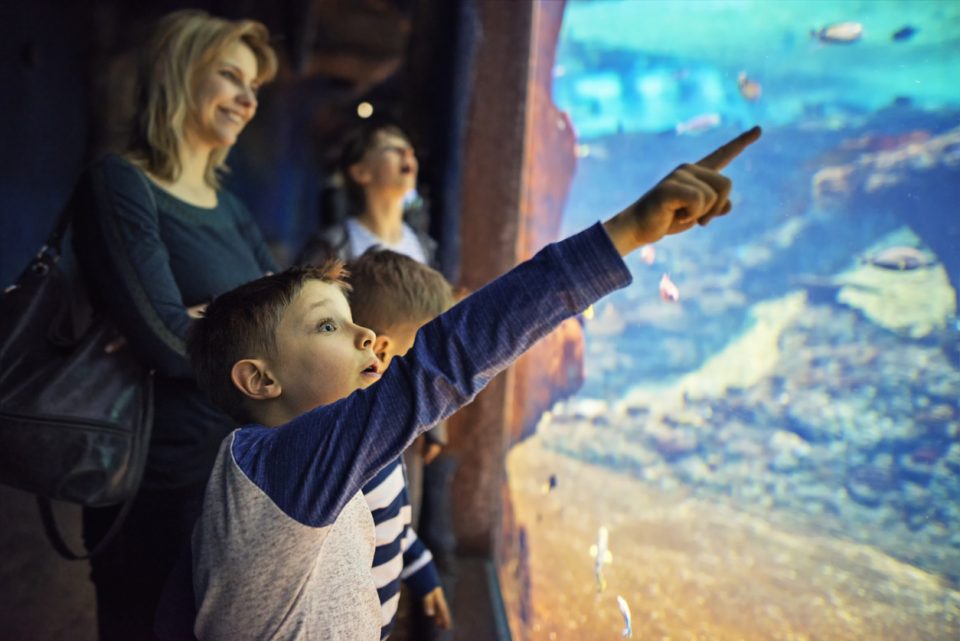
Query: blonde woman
x=157 y=238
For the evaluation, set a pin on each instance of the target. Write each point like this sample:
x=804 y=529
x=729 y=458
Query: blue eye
x=326 y=326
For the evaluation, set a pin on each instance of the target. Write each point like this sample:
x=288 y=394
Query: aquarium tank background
x=767 y=441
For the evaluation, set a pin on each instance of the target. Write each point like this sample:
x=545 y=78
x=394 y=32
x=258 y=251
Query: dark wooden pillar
x=489 y=229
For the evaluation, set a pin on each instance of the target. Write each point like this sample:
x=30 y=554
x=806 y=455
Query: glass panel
x=767 y=441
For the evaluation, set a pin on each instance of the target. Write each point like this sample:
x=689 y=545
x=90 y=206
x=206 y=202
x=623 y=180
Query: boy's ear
x=251 y=377
x=359 y=173
x=382 y=346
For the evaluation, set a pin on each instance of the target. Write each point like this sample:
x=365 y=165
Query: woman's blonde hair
x=185 y=45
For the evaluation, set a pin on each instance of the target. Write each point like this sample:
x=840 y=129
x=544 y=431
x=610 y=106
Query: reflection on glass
x=767 y=442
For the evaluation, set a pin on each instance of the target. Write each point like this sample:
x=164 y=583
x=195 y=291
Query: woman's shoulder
x=112 y=173
x=118 y=170
x=113 y=160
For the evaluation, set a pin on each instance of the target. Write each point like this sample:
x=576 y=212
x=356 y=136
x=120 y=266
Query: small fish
x=550 y=484
x=601 y=556
x=843 y=33
x=627 y=620
x=900 y=258
x=904 y=33
x=749 y=89
x=648 y=254
x=698 y=124
x=668 y=290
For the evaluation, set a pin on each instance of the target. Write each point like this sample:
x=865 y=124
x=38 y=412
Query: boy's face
x=322 y=356
x=396 y=340
x=389 y=165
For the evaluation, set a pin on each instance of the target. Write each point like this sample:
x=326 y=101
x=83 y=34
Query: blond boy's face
x=322 y=355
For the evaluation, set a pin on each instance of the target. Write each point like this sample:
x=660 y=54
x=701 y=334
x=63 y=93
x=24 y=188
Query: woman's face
x=226 y=99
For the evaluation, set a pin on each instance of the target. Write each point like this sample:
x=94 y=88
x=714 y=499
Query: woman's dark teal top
x=147 y=256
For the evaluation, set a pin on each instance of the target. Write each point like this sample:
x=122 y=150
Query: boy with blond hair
x=394 y=295
x=285 y=543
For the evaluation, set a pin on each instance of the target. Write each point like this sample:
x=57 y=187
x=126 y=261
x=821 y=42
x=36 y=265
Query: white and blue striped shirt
x=400 y=554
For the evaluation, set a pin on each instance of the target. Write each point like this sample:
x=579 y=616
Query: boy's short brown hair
x=242 y=323
x=391 y=288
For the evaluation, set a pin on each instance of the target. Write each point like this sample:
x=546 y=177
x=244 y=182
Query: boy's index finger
x=722 y=156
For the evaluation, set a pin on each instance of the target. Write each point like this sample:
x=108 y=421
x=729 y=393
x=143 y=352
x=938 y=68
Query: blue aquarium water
x=767 y=442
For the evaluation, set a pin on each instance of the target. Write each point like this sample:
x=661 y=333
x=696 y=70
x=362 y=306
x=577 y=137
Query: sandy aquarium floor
x=692 y=569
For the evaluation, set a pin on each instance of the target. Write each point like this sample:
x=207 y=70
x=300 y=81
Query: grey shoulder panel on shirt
x=258 y=574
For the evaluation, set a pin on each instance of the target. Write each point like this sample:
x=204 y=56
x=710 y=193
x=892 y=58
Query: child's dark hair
x=355 y=145
x=390 y=288
x=242 y=323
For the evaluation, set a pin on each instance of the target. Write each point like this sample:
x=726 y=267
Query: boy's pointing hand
x=690 y=194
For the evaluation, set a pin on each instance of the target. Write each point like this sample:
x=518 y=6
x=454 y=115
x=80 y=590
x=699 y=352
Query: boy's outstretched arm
x=312 y=466
x=689 y=195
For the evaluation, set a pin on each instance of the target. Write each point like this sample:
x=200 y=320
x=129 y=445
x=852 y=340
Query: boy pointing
x=284 y=546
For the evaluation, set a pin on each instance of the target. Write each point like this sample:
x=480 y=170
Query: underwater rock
x=912 y=175
x=939 y=419
x=637 y=411
x=952 y=458
x=695 y=471
x=919 y=470
x=787 y=450
x=914 y=303
x=919 y=508
x=673 y=444
x=869 y=484
x=813 y=418
x=879 y=162
x=609 y=322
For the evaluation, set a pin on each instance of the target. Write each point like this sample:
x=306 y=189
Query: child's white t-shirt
x=361 y=239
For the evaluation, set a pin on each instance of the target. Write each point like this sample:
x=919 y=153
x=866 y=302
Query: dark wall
x=44 y=58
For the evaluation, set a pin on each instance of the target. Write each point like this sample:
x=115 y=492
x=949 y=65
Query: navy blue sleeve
x=419 y=571
x=126 y=264
x=313 y=465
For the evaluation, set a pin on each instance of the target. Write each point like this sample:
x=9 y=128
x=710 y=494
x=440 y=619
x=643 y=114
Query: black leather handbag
x=75 y=420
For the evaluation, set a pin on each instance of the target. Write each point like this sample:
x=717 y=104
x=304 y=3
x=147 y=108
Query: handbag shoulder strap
x=56 y=538
x=55 y=239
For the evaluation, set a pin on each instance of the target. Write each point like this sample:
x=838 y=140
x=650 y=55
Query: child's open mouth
x=372 y=370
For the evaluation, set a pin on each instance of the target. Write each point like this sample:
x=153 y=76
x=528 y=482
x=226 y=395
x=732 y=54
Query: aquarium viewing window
x=766 y=443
